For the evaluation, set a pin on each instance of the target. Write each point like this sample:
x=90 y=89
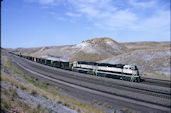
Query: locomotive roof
x=88 y=63
x=111 y=65
x=102 y=64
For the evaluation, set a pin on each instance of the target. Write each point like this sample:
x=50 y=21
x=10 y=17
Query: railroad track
x=82 y=81
x=85 y=77
x=50 y=73
x=104 y=93
x=89 y=79
x=156 y=82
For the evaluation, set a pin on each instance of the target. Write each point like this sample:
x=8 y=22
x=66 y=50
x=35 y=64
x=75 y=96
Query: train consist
x=119 y=71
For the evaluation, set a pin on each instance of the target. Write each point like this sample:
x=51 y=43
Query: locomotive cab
x=132 y=71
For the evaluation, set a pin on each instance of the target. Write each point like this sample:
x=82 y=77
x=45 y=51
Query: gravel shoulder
x=37 y=94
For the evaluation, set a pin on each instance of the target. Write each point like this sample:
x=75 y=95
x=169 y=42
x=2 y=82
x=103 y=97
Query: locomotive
x=119 y=71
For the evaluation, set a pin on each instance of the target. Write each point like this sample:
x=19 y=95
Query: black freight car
x=39 y=60
x=24 y=56
x=31 y=58
x=56 y=64
x=64 y=65
x=27 y=57
x=43 y=61
x=48 y=62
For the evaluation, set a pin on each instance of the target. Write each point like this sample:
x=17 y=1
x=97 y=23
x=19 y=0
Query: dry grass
x=11 y=103
x=94 y=102
x=46 y=90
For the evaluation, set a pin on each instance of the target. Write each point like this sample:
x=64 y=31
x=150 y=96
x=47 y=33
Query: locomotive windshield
x=131 y=67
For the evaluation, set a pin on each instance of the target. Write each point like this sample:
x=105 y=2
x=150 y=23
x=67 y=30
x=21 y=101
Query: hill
x=152 y=58
x=90 y=50
x=150 y=62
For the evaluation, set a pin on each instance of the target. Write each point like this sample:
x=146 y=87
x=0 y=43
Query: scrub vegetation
x=35 y=87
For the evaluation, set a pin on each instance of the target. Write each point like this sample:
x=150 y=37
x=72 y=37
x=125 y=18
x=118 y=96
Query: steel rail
x=157 y=82
x=97 y=91
x=77 y=84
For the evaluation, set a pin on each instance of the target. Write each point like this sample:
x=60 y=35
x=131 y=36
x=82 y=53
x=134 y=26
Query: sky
x=36 y=23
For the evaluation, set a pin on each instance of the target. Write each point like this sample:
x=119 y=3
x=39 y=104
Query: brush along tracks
x=137 y=91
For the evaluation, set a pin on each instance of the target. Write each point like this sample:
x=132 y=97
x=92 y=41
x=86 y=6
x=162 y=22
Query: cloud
x=143 y=4
x=44 y=2
x=72 y=14
x=103 y=13
x=57 y=16
x=159 y=21
x=117 y=15
x=106 y=14
x=121 y=19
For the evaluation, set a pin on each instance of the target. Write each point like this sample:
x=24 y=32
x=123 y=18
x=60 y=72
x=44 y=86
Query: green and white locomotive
x=119 y=71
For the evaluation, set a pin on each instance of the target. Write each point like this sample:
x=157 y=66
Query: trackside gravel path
x=142 y=95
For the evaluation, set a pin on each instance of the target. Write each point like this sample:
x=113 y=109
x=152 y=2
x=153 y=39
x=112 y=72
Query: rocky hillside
x=95 y=49
x=90 y=50
x=146 y=45
x=150 y=62
x=152 y=58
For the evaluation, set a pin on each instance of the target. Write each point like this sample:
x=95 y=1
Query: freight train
x=118 y=71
